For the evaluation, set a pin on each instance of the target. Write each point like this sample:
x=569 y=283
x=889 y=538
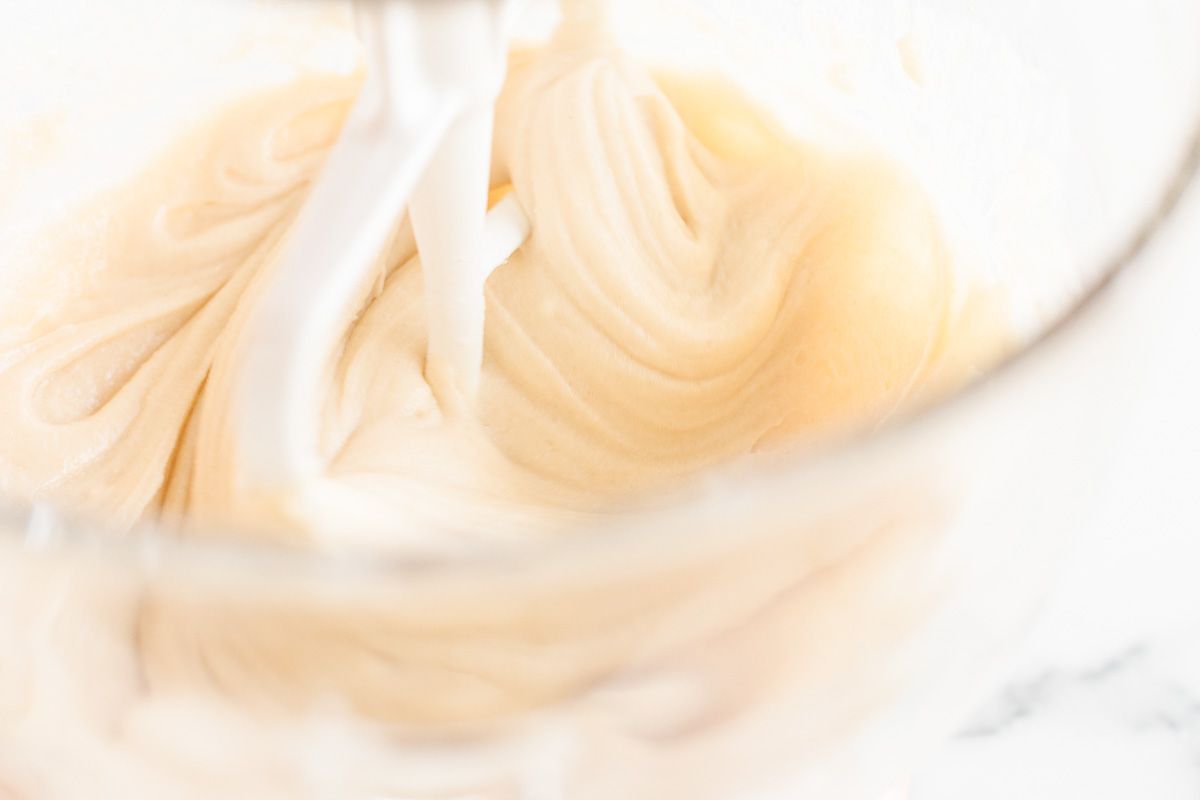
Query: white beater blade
x=435 y=67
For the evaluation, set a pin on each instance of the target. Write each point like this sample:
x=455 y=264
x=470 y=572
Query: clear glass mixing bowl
x=804 y=627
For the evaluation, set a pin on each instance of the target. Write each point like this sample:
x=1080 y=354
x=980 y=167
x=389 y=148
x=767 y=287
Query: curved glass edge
x=39 y=529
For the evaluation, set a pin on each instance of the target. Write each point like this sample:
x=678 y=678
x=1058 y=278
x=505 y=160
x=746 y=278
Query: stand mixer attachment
x=419 y=137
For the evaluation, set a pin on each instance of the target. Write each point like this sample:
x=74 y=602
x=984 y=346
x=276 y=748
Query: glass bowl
x=803 y=626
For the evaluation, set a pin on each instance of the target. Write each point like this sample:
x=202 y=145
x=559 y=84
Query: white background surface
x=1104 y=699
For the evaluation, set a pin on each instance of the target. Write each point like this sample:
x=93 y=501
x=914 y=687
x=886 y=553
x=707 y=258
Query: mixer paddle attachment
x=419 y=137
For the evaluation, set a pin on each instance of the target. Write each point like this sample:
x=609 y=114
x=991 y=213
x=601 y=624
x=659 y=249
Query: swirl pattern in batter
x=697 y=287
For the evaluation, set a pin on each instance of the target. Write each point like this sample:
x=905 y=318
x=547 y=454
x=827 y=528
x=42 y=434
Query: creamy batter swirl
x=697 y=287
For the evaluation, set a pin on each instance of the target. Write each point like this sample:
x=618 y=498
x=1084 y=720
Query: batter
x=697 y=287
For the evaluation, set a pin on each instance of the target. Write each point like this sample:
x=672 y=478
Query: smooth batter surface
x=697 y=287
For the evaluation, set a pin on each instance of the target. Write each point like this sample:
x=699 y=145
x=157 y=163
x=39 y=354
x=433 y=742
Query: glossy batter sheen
x=697 y=287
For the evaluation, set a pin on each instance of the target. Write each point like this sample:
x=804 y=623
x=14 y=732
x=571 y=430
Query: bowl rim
x=37 y=529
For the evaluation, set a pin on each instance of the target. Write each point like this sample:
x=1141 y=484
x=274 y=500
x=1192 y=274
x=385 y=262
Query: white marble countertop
x=1104 y=699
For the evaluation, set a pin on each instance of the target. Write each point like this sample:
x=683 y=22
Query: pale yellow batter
x=696 y=287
